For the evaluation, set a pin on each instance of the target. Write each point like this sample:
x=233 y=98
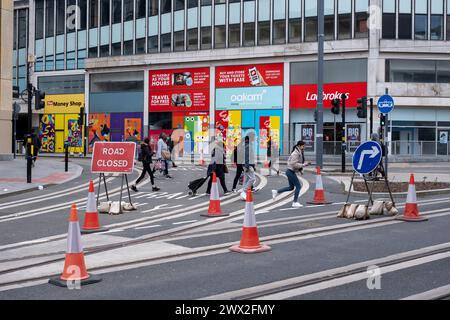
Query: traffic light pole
x=29 y=139
x=344 y=133
x=319 y=135
x=371 y=116
x=385 y=134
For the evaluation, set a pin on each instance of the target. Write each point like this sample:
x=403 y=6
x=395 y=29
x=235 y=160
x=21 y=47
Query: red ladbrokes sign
x=251 y=75
x=305 y=96
x=113 y=157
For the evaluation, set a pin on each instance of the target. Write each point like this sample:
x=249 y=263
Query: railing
x=419 y=148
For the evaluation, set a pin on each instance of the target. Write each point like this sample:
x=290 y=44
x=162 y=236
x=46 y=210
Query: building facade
x=223 y=67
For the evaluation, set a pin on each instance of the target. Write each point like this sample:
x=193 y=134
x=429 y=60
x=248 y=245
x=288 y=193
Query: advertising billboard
x=179 y=90
x=249 y=75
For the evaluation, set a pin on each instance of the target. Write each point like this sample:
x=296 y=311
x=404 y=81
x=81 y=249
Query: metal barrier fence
x=419 y=148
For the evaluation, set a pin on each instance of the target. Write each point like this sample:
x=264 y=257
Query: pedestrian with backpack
x=145 y=156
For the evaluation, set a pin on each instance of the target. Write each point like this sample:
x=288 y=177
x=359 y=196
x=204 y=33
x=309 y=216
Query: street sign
x=385 y=104
x=367 y=157
x=113 y=157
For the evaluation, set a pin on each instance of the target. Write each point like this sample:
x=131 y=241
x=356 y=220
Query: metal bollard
x=66 y=157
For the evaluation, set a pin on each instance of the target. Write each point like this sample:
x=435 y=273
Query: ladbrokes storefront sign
x=64 y=103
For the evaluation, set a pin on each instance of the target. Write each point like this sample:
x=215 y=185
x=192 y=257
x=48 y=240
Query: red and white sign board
x=305 y=96
x=270 y=74
x=113 y=157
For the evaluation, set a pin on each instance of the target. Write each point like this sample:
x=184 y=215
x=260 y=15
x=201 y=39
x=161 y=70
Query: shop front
x=343 y=76
x=179 y=106
x=59 y=123
x=115 y=107
x=250 y=98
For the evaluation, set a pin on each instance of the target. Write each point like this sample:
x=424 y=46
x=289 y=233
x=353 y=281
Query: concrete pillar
x=6 y=51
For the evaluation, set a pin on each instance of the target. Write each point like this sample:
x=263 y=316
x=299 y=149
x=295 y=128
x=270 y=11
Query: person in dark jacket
x=170 y=145
x=146 y=158
x=36 y=141
x=217 y=165
x=238 y=160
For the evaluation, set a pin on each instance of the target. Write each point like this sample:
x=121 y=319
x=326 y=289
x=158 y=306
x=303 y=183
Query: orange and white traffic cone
x=91 y=222
x=411 y=211
x=250 y=239
x=214 y=209
x=319 y=193
x=74 y=272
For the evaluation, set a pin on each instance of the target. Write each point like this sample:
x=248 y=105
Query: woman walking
x=218 y=166
x=238 y=160
x=145 y=156
x=296 y=163
x=162 y=152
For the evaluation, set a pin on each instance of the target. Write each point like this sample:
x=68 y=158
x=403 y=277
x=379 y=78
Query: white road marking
x=148 y=227
x=182 y=222
x=162 y=206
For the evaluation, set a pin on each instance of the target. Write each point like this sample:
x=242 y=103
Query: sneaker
x=133 y=187
x=243 y=196
x=234 y=191
x=274 y=194
x=155 y=189
x=226 y=192
x=297 y=205
x=168 y=176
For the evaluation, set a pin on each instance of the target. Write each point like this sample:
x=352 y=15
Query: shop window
x=234 y=35
x=117 y=82
x=421 y=71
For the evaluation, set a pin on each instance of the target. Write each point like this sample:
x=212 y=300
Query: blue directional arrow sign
x=385 y=104
x=367 y=157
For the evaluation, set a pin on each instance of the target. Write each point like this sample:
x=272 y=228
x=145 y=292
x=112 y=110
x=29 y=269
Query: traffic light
x=81 y=117
x=335 y=105
x=362 y=107
x=39 y=97
x=382 y=119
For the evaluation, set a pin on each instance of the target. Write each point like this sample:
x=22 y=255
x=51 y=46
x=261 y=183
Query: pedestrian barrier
x=91 y=221
x=411 y=211
x=319 y=193
x=214 y=209
x=74 y=272
x=250 y=240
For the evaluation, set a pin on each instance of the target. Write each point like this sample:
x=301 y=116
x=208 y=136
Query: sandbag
x=104 y=207
x=128 y=206
x=361 y=212
x=342 y=211
x=115 y=207
x=350 y=213
x=377 y=207
x=388 y=205
x=393 y=211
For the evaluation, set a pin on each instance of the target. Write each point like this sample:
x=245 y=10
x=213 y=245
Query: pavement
x=47 y=171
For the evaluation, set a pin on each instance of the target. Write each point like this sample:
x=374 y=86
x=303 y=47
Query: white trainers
x=297 y=205
x=274 y=194
x=243 y=196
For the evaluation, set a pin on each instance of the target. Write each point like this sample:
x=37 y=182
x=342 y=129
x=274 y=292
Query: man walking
x=249 y=165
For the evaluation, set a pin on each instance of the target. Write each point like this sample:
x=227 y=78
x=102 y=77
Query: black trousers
x=239 y=170
x=221 y=178
x=145 y=170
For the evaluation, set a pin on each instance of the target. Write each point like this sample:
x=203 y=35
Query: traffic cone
x=74 y=272
x=319 y=193
x=250 y=239
x=214 y=209
x=91 y=222
x=411 y=211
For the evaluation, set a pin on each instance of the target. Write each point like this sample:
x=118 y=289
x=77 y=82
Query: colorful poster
x=74 y=136
x=47 y=133
x=179 y=90
x=99 y=128
x=249 y=75
x=196 y=133
x=132 y=129
x=307 y=135
x=305 y=96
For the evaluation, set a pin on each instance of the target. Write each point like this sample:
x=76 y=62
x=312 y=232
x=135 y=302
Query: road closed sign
x=113 y=157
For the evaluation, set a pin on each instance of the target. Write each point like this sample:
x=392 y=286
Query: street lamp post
x=319 y=135
x=29 y=141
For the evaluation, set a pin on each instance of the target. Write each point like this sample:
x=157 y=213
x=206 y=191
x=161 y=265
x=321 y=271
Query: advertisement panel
x=63 y=103
x=249 y=98
x=132 y=129
x=99 y=128
x=47 y=133
x=305 y=96
x=74 y=134
x=113 y=157
x=353 y=136
x=249 y=75
x=307 y=135
x=179 y=90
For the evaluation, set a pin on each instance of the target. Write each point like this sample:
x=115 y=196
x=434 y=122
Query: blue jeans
x=293 y=182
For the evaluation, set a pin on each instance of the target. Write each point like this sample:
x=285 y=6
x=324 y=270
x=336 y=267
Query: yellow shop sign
x=63 y=103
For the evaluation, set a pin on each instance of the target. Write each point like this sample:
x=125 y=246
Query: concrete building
x=6 y=45
x=142 y=67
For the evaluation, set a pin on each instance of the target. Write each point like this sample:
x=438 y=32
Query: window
x=93 y=14
x=329 y=19
x=179 y=4
x=422 y=71
x=448 y=20
x=60 y=17
x=192 y=25
x=140 y=9
x=206 y=21
x=421 y=20
x=128 y=10
x=192 y=36
x=219 y=37
x=153 y=44
x=234 y=25
x=49 y=18
x=128 y=47
x=205 y=33
x=388 y=20
x=437 y=20
x=279 y=21
x=140 y=45
x=117 y=82
x=152 y=8
x=344 y=19
x=166 y=6
x=166 y=43
x=219 y=28
x=405 y=20
x=22 y=31
x=116 y=49
x=192 y=3
x=310 y=20
x=117 y=11
x=83 y=14
x=39 y=19
x=443 y=71
x=295 y=21
x=361 y=16
x=178 y=41
x=249 y=23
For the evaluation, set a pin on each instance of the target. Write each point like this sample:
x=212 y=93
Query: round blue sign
x=385 y=104
x=367 y=157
